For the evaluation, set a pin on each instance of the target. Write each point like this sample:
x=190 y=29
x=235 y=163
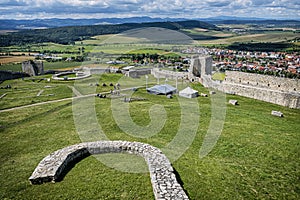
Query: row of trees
x=268 y=47
x=150 y=58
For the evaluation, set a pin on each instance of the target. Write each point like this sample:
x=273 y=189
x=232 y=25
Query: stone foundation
x=164 y=182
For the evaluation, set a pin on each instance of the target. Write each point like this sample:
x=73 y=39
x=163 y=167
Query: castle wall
x=263 y=81
x=288 y=99
x=200 y=66
x=137 y=72
x=281 y=91
x=159 y=73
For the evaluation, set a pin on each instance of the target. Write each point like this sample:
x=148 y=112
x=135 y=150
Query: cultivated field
x=261 y=37
x=256 y=156
x=14 y=59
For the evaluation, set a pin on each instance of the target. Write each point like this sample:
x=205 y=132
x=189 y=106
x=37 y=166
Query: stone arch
x=163 y=178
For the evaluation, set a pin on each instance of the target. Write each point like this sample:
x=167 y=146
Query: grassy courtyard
x=256 y=156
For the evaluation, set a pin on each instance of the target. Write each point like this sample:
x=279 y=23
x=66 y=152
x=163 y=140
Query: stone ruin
x=164 y=183
x=33 y=68
x=276 y=113
x=200 y=66
x=277 y=90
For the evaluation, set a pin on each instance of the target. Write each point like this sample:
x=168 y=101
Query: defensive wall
x=263 y=81
x=281 y=91
x=164 y=183
x=136 y=73
x=160 y=73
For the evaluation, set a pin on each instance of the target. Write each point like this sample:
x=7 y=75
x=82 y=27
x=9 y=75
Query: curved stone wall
x=163 y=179
x=58 y=78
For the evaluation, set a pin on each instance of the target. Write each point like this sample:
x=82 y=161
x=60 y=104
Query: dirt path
x=77 y=93
x=43 y=103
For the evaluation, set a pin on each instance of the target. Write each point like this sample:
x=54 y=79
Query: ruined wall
x=281 y=91
x=263 y=81
x=33 y=68
x=159 y=73
x=200 y=66
x=163 y=178
x=136 y=73
x=287 y=99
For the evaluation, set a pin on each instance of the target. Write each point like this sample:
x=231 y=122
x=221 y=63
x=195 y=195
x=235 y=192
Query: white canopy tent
x=188 y=93
x=162 y=89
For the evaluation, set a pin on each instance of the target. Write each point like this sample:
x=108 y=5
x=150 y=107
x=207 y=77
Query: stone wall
x=96 y=70
x=136 y=73
x=160 y=73
x=263 y=81
x=200 y=66
x=163 y=178
x=281 y=91
x=33 y=68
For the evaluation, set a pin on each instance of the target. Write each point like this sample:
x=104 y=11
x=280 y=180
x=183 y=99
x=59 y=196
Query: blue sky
x=32 y=9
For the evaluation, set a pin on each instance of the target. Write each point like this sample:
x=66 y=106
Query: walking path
x=77 y=93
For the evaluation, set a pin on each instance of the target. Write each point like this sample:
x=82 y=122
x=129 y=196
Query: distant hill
x=252 y=20
x=11 y=24
x=70 y=34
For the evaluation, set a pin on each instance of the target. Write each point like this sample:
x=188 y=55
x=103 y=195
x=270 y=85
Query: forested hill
x=68 y=35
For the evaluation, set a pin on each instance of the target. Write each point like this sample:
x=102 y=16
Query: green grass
x=149 y=51
x=11 y=67
x=47 y=66
x=61 y=65
x=218 y=76
x=256 y=157
x=24 y=92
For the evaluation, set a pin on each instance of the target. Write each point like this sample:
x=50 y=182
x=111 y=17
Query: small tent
x=188 y=93
x=162 y=89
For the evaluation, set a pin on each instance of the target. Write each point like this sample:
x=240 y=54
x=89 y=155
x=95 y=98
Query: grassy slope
x=256 y=157
x=60 y=65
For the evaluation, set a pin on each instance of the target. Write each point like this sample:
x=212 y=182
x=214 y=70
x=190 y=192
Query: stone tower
x=33 y=68
x=200 y=66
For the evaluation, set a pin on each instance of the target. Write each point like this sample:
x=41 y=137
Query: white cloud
x=152 y=8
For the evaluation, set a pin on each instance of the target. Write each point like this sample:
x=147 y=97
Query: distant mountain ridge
x=11 y=24
x=70 y=34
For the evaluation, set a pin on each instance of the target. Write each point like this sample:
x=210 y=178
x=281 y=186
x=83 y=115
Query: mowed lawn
x=256 y=156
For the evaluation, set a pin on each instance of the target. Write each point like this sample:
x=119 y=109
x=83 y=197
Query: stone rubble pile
x=163 y=179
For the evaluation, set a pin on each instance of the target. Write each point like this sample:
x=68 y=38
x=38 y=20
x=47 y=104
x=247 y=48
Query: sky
x=190 y=9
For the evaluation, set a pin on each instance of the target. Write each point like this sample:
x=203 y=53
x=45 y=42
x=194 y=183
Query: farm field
x=258 y=161
x=14 y=59
x=271 y=36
